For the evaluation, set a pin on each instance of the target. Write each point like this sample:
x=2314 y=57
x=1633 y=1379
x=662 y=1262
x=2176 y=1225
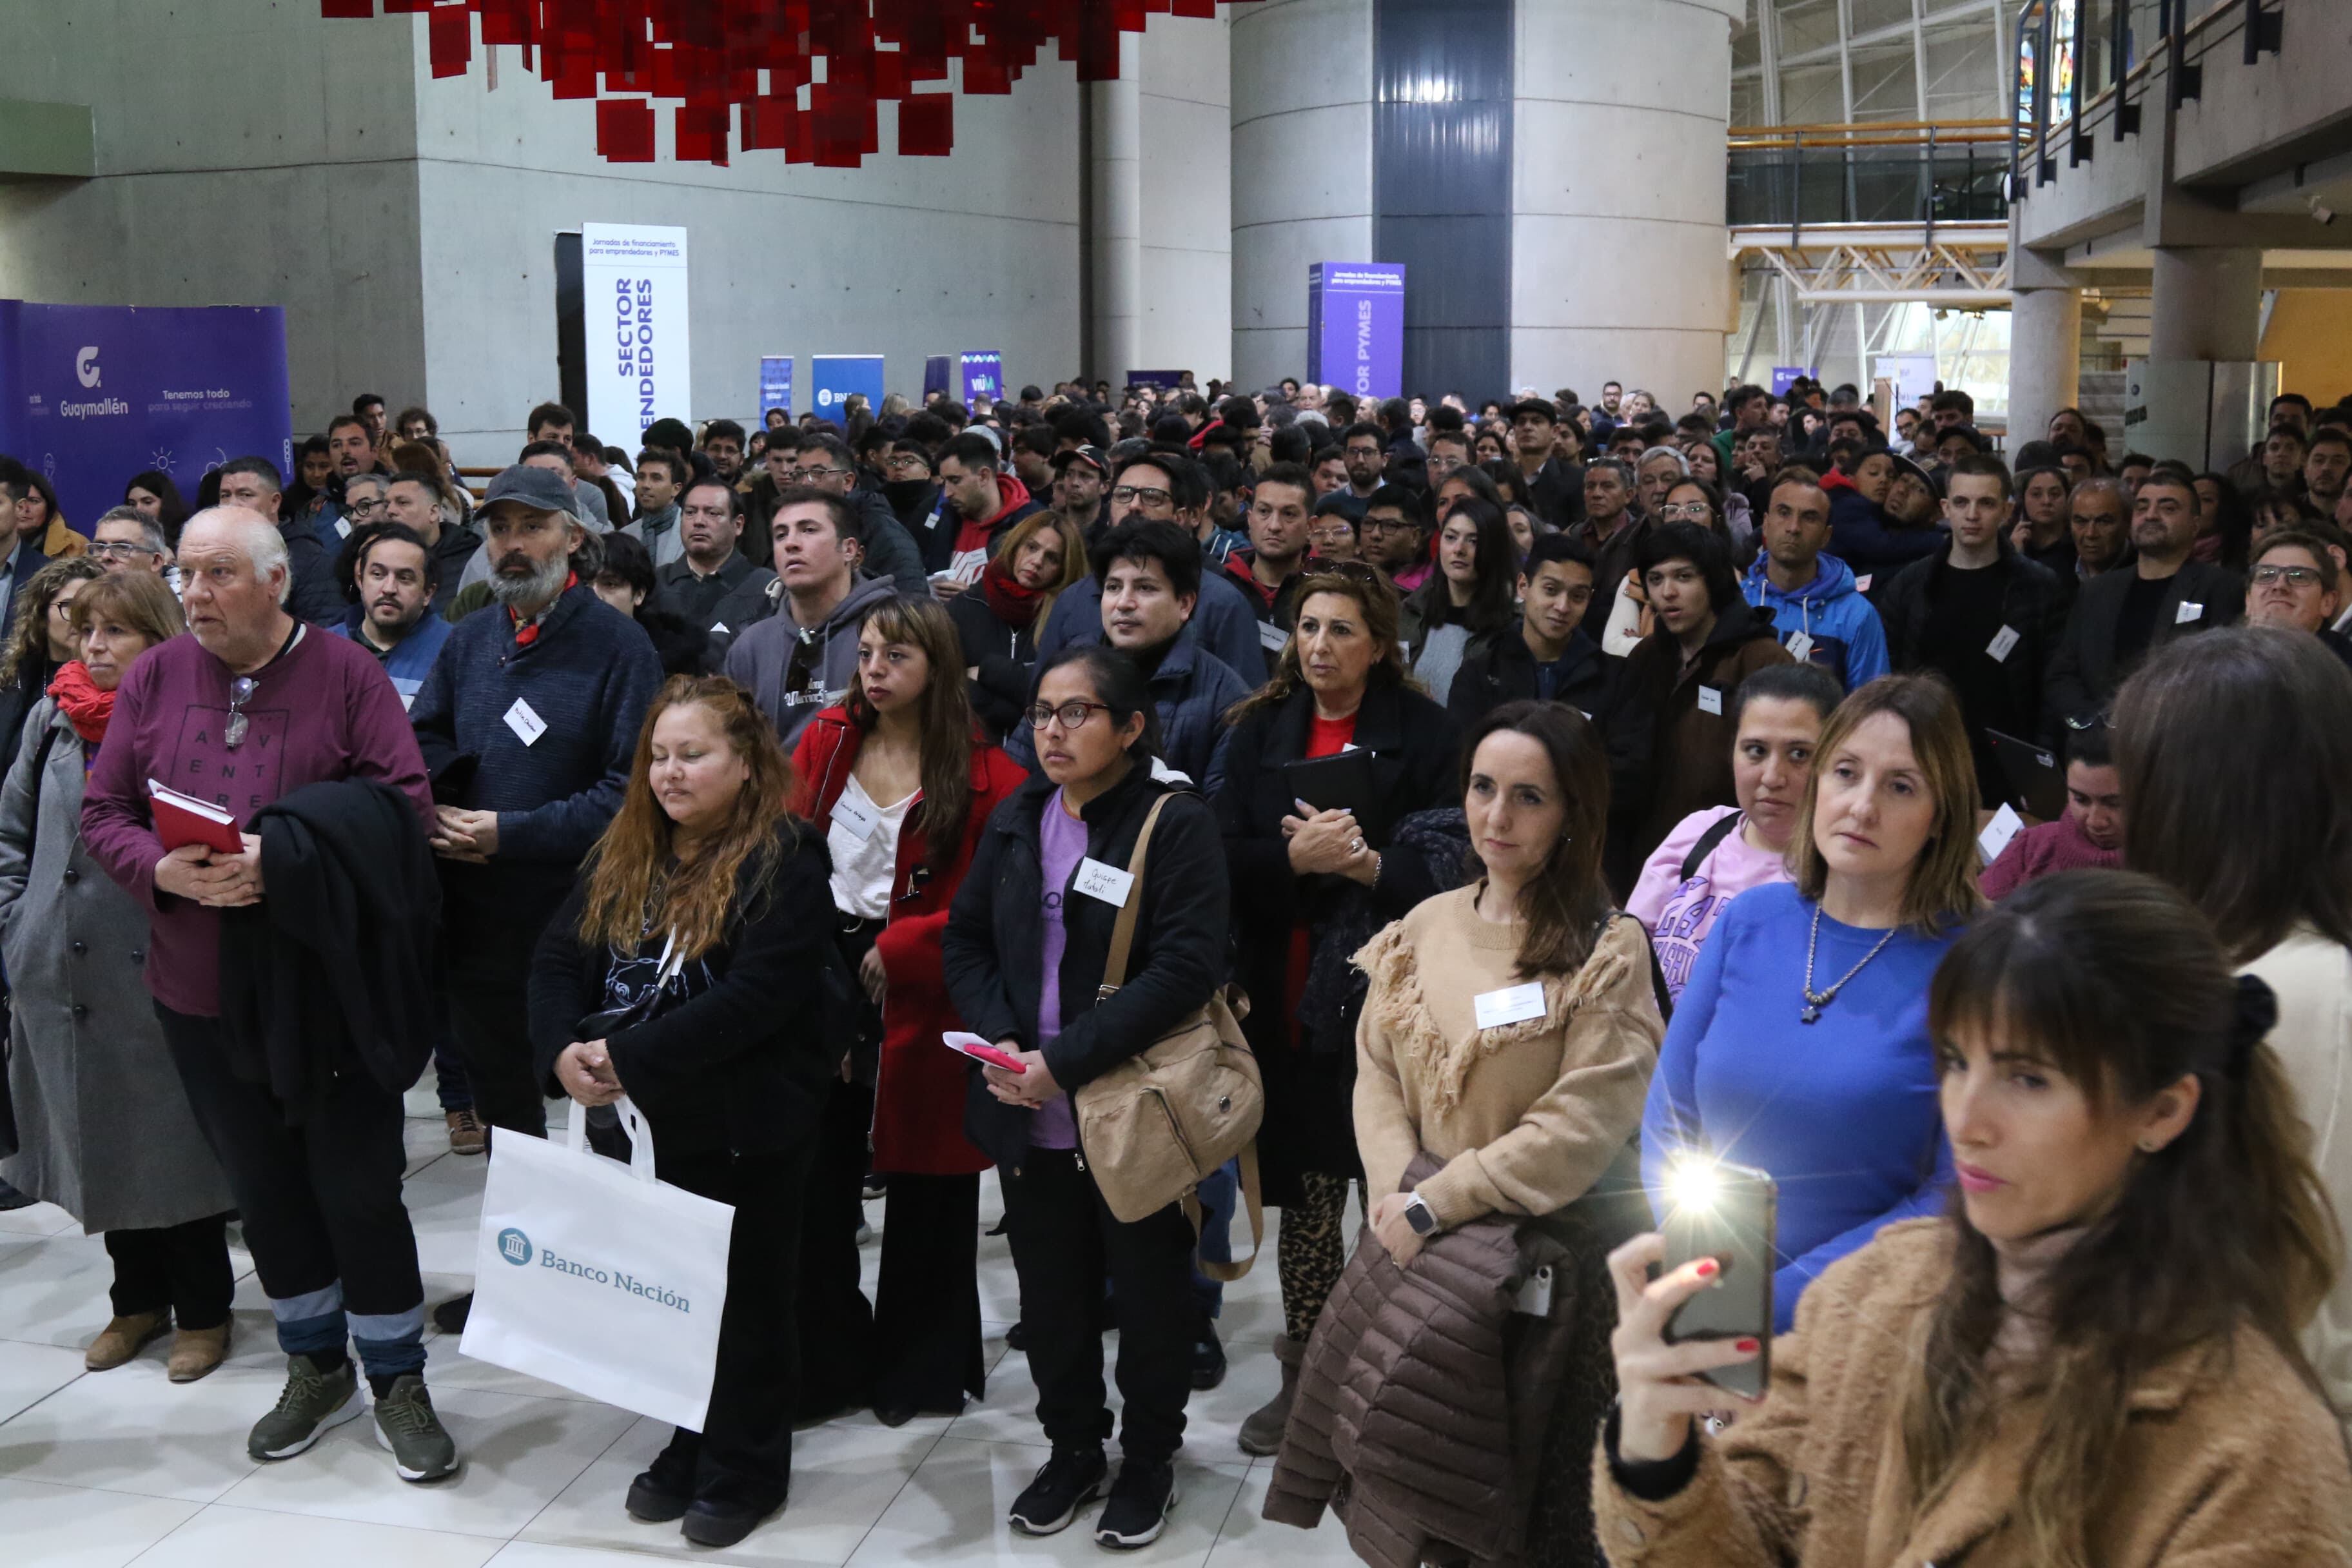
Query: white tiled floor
x=98 y=1471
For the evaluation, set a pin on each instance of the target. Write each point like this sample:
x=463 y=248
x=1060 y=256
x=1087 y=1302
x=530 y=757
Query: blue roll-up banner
x=938 y=375
x=983 y=374
x=1784 y=376
x=90 y=394
x=775 y=385
x=1354 y=327
x=833 y=377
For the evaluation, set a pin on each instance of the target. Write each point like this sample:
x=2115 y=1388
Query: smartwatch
x=1418 y=1215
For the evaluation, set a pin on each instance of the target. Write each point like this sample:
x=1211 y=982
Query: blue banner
x=833 y=377
x=90 y=394
x=1784 y=376
x=1355 y=330
x=938 y=374
x=983 y=374
x=775 y=385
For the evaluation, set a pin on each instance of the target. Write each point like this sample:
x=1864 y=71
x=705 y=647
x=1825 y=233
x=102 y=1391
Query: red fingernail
x=1707 y=1268
x=1748 y=1347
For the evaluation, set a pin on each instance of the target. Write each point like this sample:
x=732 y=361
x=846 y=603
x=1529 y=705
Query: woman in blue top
x=1800 y=1045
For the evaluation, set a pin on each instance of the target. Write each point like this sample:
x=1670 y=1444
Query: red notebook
x=182 y=819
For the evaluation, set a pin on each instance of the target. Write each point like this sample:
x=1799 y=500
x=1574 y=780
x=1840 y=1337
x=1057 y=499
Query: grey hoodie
x=759 y=656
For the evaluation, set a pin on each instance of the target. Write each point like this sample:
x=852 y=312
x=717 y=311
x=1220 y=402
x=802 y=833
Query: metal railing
x=1883 y=173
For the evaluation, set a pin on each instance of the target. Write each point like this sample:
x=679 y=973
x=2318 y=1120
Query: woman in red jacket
x=902 y=786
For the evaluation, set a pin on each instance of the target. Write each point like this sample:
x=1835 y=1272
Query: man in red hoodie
x=978 y=503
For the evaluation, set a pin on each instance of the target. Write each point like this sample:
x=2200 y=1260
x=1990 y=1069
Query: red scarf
x=527 y=634
x=1016 y=606
x=84 y=705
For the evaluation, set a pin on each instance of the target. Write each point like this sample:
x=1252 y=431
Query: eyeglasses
x=1072 y=714
x=812 y=475
x=118 y=549
x=1128 y=495
x=364 y=508
x=240 y=692
x=1695 y=510
x=904 y=463
x=2295 y=576
x=1385 y=525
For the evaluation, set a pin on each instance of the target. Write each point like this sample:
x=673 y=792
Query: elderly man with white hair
x=251 y=707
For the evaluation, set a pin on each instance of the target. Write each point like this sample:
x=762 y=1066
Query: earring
x=2148 y=1146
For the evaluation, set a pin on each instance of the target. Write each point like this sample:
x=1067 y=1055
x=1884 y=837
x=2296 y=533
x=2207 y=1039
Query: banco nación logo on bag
x=514 y=1247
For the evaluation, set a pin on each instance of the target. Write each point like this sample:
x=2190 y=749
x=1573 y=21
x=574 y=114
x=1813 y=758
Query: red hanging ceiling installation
x=751 y=66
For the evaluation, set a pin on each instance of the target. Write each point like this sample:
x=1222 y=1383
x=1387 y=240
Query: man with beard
x=1081 y=490
x=528 y=725
x=395 y=574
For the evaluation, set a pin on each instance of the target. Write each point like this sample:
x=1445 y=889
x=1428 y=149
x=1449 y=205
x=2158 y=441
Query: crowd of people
x=1952 y=829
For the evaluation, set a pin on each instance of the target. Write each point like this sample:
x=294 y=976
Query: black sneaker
x=1072 y=1479
x=1208 y=1367
x=1137 y=1510
x=10 y=1198
x=450 y=1316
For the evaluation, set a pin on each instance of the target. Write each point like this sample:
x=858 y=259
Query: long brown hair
x=1566 y=901
x=1378 y=602
x=944 y=730
x=2234 y=747
x=1073 y=554
x=29 y=639
x=1943 y=884
x=636 y=892
x=2120 y=985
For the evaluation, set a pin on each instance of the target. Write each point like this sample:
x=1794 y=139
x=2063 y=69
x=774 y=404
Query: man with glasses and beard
x=529 y=723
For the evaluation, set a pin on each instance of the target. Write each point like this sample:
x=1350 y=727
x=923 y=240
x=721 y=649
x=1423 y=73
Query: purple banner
x=90 y=394
x=983 y=374
x=1784 y=376
x=1354 y=327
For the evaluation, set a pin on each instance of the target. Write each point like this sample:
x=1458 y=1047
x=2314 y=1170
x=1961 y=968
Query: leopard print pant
x=1311 y=1249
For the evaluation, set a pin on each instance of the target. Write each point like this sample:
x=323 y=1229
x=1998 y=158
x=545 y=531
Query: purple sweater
x=325 y=710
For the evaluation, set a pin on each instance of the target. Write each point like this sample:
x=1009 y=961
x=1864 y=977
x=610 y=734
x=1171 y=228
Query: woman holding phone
x=2094 y=1359
x=1800 y=1045
x=1300 y=875
x=701 y=866
x=1028 y=943
x=880 y=771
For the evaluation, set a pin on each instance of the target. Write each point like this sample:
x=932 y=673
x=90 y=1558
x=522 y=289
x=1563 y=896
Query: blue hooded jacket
x=1847 y=638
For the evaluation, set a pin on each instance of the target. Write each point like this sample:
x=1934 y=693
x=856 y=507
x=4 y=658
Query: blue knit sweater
x=589 y=675
x=1841 y=1113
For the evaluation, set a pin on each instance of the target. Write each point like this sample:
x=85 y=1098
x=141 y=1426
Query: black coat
x=2034 y=602
x=1005 y=655
x=743 y=1063
x=336 y=969
x=2084 y=674
x=1501 y=668
x=993 y=950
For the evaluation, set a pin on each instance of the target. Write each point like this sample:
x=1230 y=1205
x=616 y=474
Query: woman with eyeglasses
x=1028 y=939
x=1311 y=880
x=998 y=625
x=1332 y=534
x=41 y=641
x=1468 y=598
x=903 y=784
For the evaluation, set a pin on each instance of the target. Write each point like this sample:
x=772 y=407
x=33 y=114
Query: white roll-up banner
x=633 y=285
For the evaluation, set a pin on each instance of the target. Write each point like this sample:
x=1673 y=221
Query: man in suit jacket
x=19 y=557
x=2121 y=615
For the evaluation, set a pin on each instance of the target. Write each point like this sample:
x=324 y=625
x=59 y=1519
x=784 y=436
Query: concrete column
x=1617 y=248
x=1302 y=168
x=2045 y=359
x=1115 y=176
x=2208 y=303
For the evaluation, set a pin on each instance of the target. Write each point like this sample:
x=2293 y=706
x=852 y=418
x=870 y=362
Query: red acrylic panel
x=926 y=125
x=449 y=40
x=404 y=8
x=354 y=10
x=507 y=21
x=702 y=135
x=625 y=129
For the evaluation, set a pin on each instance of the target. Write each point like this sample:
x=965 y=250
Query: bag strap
x=1254 y=1200
x=1716 y=832
x=633 y=1121
x=1122 y=931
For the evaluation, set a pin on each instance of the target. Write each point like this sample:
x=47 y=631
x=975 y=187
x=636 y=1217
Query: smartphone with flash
x=1731 y=1213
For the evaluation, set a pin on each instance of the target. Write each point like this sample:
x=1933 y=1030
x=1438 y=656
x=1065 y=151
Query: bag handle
x=633 y=1122
x=1122 y=931
x=1253 y=1200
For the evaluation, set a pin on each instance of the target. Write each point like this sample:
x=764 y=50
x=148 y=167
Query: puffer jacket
x=1827 y=618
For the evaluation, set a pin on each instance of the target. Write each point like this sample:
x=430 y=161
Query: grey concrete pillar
x=2207 y=304
x=1116 y=176
x=2045 y=360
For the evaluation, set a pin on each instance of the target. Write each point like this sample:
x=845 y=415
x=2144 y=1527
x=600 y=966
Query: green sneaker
x=313 y=1401
x=421 y=1447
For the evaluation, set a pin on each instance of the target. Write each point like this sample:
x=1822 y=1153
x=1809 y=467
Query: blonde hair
x=1073 y=553
x=1943 y=884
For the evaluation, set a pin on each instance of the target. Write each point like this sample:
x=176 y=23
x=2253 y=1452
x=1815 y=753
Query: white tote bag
x=599 y=1277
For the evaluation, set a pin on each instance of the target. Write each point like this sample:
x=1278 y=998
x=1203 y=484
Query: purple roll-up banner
x=1354 y=327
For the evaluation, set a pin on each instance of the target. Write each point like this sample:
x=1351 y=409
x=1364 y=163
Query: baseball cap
x=1091 y=456
x=542 y=489
x=1918 y=471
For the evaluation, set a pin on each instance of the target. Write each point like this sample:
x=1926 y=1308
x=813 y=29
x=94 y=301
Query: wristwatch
x=1419 y=1215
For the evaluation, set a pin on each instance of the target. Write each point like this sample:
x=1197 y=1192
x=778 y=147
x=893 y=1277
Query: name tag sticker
x=2005 y=826
x=1512 y=1005
x=526 y=725
x=1710 y=701
x=719 y=627
x=856 y=818
x=1862 y=583
x=1109 y=883
x=2002 y=645
x=1271 y=637
x=2189 y=611
x=1801 y=646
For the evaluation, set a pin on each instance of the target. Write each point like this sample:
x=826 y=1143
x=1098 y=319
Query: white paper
x=1509 y=1006
x=2005 y=826
x=2189 y=611
x=1801 y=646
x=526 y=725
x=1271 y=637
x=1862 y=583
x=965 y=567
x=1109 y=883
x=1622 y=635
x=860 y=821
x=2002 y=645
x=1710 y=700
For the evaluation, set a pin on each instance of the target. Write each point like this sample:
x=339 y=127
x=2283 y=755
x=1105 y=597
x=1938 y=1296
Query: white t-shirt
x=864 y=863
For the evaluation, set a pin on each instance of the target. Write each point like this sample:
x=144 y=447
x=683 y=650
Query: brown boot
x=1261 y=1432
x=195 y=1352
x=121 y=1339
x=466 y=1134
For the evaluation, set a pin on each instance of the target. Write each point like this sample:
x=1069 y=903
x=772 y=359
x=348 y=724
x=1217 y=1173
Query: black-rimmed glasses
x=1071 y=714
